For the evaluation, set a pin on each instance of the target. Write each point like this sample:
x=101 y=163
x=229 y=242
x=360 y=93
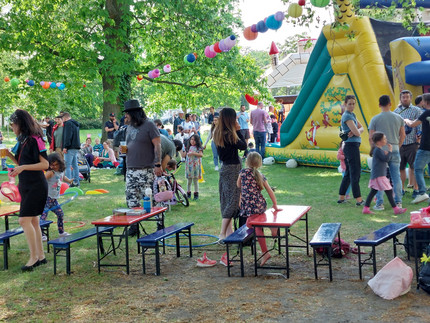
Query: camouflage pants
x=136 y=181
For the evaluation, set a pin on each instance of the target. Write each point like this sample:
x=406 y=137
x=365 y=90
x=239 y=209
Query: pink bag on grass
x=393 y=280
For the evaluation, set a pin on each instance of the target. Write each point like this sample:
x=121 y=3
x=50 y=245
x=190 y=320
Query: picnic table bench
x=5 y=236
x=374 y=239
x=324 y=238
x=151 y=241
x=240 y=237
x=63 y=244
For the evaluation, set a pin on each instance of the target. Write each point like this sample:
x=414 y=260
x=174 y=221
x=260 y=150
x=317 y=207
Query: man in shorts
x=243 y=119
x=409 y=148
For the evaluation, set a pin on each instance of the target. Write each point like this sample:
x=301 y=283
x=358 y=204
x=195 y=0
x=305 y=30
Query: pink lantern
x=167 y=68
x=156 y=73
x=150 y=75
x=209 y=53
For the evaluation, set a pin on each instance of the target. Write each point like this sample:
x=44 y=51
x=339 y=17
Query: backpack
x=337 y=251
x=424 y=274
x=409 y=242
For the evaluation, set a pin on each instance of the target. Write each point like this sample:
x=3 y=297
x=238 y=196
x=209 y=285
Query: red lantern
x=216 y=48
x=140 y=77
x=85 y=85
x=251 y=100
x=249 y=34
x=302 y=2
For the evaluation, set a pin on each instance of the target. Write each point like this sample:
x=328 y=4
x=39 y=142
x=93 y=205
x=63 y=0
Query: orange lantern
x=6 y=79
x=46 y=85
x=249 y=34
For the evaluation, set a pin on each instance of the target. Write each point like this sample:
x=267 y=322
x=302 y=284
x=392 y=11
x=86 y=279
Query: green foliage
x=90 y=123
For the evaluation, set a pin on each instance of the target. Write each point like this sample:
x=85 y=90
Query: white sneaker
x=379 y=207
x=44 y=238
x=420 y=198
x=64 y=234
x=216 y=168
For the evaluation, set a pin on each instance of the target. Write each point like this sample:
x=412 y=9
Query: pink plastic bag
x=163 y=196
x=393 y=280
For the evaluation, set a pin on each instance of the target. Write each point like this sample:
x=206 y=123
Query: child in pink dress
x=252 y=203
x=378 y=179
x=193 y=165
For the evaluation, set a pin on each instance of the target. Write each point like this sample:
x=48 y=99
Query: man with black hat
x=143 y=155
x=110 y=127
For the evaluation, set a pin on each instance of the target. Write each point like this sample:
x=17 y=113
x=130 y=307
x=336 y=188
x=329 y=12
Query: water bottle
x=148 y=193
x=147 y=204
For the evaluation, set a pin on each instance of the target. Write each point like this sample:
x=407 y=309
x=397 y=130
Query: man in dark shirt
x=211 y=115
x=71 y=146
x=177 y=122
x=110 y=127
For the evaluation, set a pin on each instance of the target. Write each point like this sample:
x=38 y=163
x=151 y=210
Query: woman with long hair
x=31 y=160
x=228 y=141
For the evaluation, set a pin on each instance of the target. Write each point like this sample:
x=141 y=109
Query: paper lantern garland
x=273 y=22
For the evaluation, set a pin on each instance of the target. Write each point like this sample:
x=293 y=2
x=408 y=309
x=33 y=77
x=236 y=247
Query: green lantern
x=14 y=82
x=320 y=3
x=295 y=10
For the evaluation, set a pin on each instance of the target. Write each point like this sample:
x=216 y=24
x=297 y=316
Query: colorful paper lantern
x=30 y=83
x=41 y=83
x=14 y=82
x=190 y=58
x=85 y=85
x=302 y=2
x=254 y=28
x=251 y=100
x=46 y=85
x=216 y=48
x=249 y=34
x=209 y=53
x=279 y=16
x=167 y=68
x=6 y=79
x=156 y=73
x=320 y=3
x=62 y=86
x=139 y=77
x=52 y=85
x=295 y=10
x=150 y=75
x=272 y=23
x=261 y=27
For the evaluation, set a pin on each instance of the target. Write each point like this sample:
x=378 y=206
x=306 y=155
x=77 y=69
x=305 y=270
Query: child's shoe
x=64 y=234
x=205 y=261
x=397 y=210
x=44 y=238
x=196 y=196
x=366 y=210
x=223 y=260
x=189 y=195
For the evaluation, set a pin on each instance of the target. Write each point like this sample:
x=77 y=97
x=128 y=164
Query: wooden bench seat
x=324 y=238
x=63 y=244
x=374 y=239
x=151 y=241
x=239 y=237
x=5 y=236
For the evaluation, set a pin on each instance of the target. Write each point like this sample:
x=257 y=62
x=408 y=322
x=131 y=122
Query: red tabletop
x=9 y=209
x=125 y=220
x=419 y=226
x=288 y=215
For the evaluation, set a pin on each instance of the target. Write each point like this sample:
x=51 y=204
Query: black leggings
x=372 y=194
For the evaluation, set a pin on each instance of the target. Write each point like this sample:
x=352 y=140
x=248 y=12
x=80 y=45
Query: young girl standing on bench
x=252 y=203
x=378 y=179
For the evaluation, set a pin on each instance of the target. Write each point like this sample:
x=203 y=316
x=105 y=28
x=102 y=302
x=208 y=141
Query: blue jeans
x=260 y=142
x=421 y=160
x=394 y=166
x=215 y=153
x=71 y=159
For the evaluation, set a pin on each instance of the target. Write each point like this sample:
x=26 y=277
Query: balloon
x=140 y=77
x=167 y=68
x=52 y=85
x=272 y=23
x=249 y=34
x=254 y=28
x=46 y=85
x=320 y=3
x=209 y=53
x=216 y=48
x=30 y=83
x=14 y=82
x=295 y=10
x=156 y=73
x=251 y=100
x=302 y=2
x=191 y=58
x=63 y=188
x=62 y=86
x=279 y=16
x=75 y=189
x=261 y=27
x=6 y=79
x=42 y=83
x=101 y=190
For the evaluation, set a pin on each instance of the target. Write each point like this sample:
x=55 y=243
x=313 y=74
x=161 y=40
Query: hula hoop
x=75 y=194
x=195 y=246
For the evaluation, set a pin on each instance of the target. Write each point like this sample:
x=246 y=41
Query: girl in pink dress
x=193 y=165
x=252 y=203
x=378 y=179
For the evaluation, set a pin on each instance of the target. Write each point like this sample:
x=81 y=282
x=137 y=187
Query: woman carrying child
x=378 y=179
x=193 y=165
x=252 y=203
x=54 y=175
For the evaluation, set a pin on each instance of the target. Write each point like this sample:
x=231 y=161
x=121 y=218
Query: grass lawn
x=40 y=296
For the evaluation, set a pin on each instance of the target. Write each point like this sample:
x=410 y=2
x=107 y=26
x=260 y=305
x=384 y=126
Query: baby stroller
x=84 y=167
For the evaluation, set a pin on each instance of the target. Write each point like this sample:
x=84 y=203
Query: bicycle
x=181 y=195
